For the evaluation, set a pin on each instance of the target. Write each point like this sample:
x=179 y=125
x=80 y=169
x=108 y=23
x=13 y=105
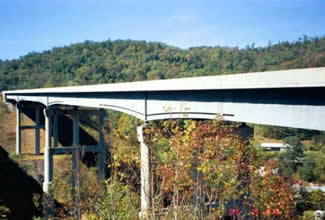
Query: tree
x=317 y=199
x=292 y=157
x=306 y=171
x=206 y=166
x=117 y=61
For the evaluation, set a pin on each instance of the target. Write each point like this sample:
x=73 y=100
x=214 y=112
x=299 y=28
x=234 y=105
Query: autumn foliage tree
x=203 y=169
x=199 y=170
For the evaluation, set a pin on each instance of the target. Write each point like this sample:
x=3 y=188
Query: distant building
x=319 y=215
x=275 y=146
x=314 y=188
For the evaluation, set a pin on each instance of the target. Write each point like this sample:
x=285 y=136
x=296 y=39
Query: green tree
x=319 y=170
x=292 y=158
x=306 y=171
x=317 y=199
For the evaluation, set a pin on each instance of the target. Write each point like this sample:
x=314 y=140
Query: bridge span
x=291 y=98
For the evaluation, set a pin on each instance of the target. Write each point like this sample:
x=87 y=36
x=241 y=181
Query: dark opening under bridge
x=291 y=98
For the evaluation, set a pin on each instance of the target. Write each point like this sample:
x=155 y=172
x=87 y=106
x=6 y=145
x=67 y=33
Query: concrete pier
x=145 y=178
x=245 y=132
x=75 y=166
x=18 y=130
x=75 y=127
x=102 y=155
x=48 y=157
x=48 y=202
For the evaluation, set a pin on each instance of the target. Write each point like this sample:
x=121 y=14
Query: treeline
x=127 y=60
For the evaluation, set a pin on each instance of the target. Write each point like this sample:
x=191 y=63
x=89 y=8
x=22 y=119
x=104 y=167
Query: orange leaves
x=210 y=161
x=272 y=192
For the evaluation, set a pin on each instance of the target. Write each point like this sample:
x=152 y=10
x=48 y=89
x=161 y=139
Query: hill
x=127 y=60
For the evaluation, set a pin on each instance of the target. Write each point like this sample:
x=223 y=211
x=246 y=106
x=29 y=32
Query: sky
x=37 y=25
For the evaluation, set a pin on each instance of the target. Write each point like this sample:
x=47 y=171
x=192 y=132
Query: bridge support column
x=48 y=167
x=75 y=166
x=48 y=157
x=245 y=132
x=145 y=175
x=102 y=155
x=18 y=129
x=37 y=131
x=55 y=128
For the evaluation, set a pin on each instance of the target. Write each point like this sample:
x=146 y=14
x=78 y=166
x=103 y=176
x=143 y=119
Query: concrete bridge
x=291 y=98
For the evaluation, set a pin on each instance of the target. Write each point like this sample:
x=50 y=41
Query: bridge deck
x=292 y=98
x=311 y=77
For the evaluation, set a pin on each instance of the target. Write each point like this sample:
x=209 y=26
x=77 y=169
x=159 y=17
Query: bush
x=4 y=212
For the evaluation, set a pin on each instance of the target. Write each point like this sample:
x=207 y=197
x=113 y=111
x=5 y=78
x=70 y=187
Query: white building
x=275 y=146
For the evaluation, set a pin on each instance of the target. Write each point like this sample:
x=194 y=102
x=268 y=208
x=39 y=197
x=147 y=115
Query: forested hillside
x=127 y=60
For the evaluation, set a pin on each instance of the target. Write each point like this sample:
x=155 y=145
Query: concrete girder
x=294 y=107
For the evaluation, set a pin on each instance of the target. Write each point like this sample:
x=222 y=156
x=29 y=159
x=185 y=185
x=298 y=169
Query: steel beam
x=70 y=149
x=25 y=127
